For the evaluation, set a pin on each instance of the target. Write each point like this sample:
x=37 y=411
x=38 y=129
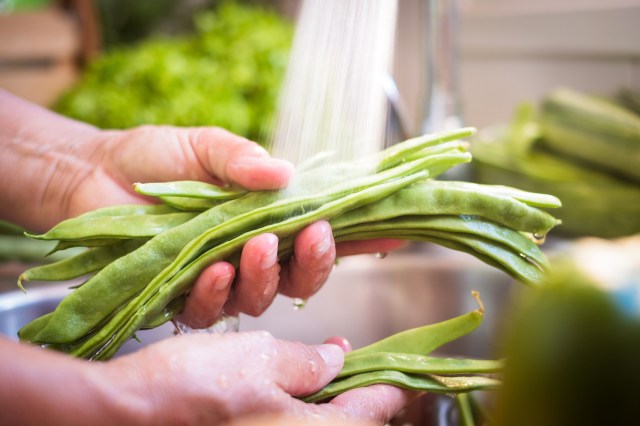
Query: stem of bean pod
x=465 y=410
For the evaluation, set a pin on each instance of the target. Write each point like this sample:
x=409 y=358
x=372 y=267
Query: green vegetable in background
x=227 y=74
x=594 y=130
x=594 y=202
x=146 y=285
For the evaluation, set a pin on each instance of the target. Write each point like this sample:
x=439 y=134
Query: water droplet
x=539 y=238
x=314 y=367
x=299 y=303
x=381 y=255
x=226 y=324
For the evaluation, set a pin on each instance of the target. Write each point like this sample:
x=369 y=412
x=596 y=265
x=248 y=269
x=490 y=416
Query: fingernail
x=270 y=258
x=257 y=151
x=332 y=355
x=222 y=282
x=322 y=246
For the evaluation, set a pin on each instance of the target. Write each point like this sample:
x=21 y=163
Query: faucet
x=430 y=34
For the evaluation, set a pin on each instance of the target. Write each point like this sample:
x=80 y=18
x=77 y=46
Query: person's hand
x=56 y=168
x=188 y=379
x=209 y=379
x=153 y=153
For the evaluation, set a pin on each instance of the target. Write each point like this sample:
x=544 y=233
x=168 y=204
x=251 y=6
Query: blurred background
x=552 y=86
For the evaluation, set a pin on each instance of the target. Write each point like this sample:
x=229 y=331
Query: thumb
x=239 y=161
x=303 y=369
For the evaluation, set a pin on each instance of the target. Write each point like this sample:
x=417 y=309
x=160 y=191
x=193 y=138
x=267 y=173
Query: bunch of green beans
x=143 y=260
x=403 y=360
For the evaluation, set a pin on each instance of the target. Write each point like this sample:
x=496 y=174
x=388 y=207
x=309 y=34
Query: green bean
x=84 y=263
x=155 y=296
x=127 y=210
x=21 y=249
x=454 y=152
x=414 y=363
x=89 y=243
x=189 y=204
x=130 y=226
x=387 y=194
x=424 y=340
x=514 y=264
x=401 y=152
x=465 y=409
x=189 y=189
x=76 y=320
x=82 y=311
x=516 y=241
x=455 y=198
x=428 y=383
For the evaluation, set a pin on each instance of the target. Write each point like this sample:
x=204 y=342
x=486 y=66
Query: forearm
x=44 y=387
x=35 y=144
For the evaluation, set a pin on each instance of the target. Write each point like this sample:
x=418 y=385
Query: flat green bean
x=414 y=363
x=456 y=198
x=154 y=298
x=516 y=241
x=129 y=226
x=189 y=204
x=424 y=340
x=189 y=189
x=389 y=194
x=428 y=383
x=84 y=263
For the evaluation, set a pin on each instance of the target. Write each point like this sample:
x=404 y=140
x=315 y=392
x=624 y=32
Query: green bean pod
x=387 y=194
x=433 y=197
x=189 y=204
x=424 y=340
x=188 y=189
x=105 y=342
x=414 y=363
x=84 y=263
x=513 y=263
x=129 y=226
x=417 y=382
x=513 y=239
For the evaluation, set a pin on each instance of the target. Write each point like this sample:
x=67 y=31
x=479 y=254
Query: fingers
x=303 y=369
x=208 y=295
x=312 y=262
x=258 y=276
x=377 y=403
x=239 y=161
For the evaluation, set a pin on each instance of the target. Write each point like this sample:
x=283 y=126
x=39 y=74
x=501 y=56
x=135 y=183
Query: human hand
x=54 y=168
x=210 y=379
x=218 y=156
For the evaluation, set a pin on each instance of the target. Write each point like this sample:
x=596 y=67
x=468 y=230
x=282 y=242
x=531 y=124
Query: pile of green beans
x=403 y=360
x=142 y=260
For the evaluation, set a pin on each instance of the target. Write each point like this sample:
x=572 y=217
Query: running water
x=332 y=101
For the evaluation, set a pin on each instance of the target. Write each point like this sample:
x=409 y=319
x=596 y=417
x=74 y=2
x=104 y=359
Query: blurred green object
x=227 y=74
x=594 y=202
x=22 y=5
x=16 y=247
x=573 y=354
x=594 y=130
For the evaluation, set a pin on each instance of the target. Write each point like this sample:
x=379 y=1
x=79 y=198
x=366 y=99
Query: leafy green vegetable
x=227 y=74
